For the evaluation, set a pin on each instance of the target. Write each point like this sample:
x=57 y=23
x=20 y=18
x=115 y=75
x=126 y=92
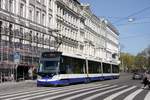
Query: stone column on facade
x=54 y=13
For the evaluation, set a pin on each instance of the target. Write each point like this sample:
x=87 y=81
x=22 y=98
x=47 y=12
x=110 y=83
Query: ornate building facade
x=29 y=27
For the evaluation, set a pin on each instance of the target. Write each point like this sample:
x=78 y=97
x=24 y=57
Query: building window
x=38 y=1
x=49 y=21
x=1 y=23
x=50 y=3
x=38 y=17
x=43 y=19
x=1 y=3
x=21 y=31
x=44 y=2
x=6 y=4
x=11 y=5
x=31 y=14
x=21 y=9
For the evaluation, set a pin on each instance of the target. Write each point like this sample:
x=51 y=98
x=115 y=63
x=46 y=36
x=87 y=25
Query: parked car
x=137 y=76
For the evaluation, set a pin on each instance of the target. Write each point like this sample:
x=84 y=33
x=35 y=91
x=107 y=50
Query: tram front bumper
x=50 y=83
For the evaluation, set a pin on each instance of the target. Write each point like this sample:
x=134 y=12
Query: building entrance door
x=22 y=72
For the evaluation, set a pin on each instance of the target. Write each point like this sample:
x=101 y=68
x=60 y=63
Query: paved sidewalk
x=11 y=83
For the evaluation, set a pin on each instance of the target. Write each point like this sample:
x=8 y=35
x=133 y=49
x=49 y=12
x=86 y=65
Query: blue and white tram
x=57 y=69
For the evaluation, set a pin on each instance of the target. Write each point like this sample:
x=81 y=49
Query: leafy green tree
x=144 y=57
x=140 y=62
x=127 y=61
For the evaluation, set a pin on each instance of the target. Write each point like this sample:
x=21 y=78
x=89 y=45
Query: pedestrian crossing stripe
x=22 y=93
x=119 y=93
x=85 y=93
x=47 y=91
x=61 y=92
x=132 y=95
x=102 y=93
x=57 y=96
x=45 y=88
x=147 y=97
x=76 y=91
x=19 y=91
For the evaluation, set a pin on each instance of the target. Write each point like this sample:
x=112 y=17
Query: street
x=123 y=88
x=59 y=43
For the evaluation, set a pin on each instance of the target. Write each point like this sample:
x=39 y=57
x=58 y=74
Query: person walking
x=146 y=79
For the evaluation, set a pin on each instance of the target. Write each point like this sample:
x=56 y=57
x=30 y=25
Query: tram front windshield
x=50 y=67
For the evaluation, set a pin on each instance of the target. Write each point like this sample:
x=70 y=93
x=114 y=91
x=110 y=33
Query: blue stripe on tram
x=73 y=80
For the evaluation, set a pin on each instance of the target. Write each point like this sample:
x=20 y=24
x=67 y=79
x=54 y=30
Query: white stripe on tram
x=102 y=93
x=119 y=93
x=132 y=95
x=85 y=93
x=147 y=97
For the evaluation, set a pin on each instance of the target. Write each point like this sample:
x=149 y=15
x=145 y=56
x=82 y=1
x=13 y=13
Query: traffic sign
x=16 y=57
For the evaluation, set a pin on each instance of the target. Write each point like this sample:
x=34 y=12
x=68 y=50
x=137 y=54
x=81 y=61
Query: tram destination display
x=51 y=54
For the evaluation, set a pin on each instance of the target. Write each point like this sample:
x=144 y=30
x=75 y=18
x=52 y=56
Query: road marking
x=147 y=97
x=119 y=93
x=23 y=96
x=21 y=93
x=132 y=95
x=102 y=93
x=30 y=92
x=81 y=94
x=52 y=97
x=49 y=92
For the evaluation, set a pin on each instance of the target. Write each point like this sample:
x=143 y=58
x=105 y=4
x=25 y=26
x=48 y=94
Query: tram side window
x=78 y=66
x=94 y=67
x=62 y=69
x=106 y=68
x=71 y=66
x=115 y=69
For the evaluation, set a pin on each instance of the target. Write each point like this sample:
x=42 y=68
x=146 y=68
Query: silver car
x=137 y=76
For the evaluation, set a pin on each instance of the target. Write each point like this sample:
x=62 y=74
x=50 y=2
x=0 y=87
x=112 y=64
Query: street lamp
x=131 y=19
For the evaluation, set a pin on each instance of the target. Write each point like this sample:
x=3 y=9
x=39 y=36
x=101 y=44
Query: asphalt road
x=123 y=88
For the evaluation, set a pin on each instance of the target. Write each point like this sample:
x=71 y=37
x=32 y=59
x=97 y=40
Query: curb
x=15 y=83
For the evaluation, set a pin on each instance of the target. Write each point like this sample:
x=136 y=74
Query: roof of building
x=78 y=1
x=110 y=25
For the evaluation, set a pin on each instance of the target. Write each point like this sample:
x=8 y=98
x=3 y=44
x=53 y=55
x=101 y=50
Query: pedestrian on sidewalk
x=30 y=73
x=146 y=78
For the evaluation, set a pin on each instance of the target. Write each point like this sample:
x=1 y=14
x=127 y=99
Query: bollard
x=23 y=75
x=16 y=74
x=4 y=77
x=1 y=76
